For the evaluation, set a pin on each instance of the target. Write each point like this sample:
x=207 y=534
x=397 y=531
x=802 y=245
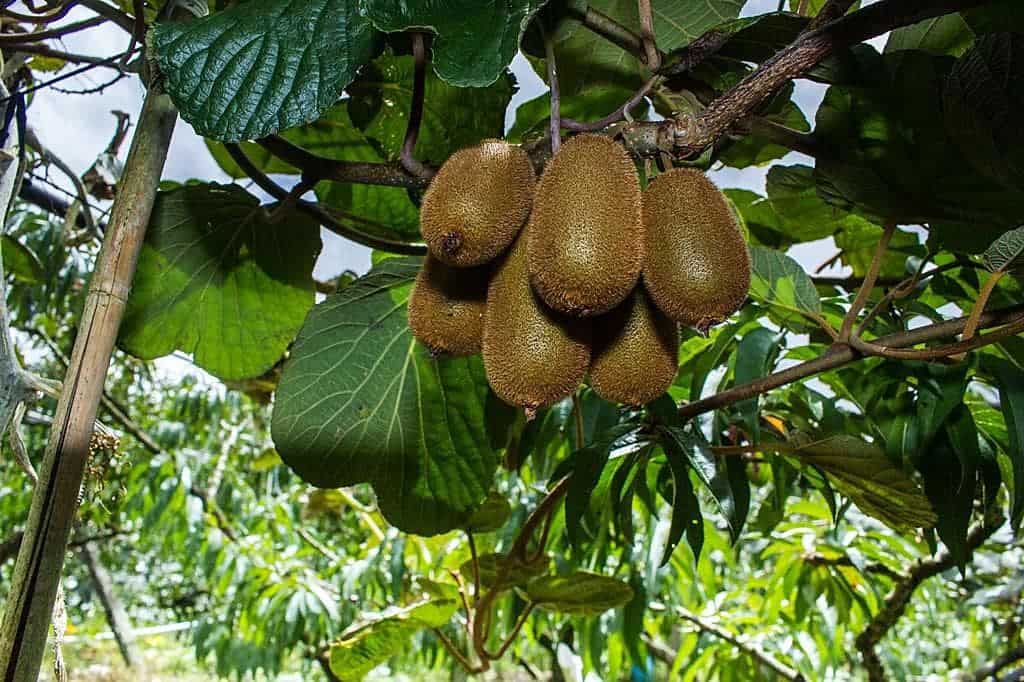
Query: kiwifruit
x=586 y=232
x=696 y=268
x=477 y=203
x=446 y=307
x=532 y=355
x=636 y=352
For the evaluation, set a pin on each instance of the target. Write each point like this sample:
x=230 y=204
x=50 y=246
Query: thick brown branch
x=896 y=601
x=696 y=133
x=987 y=672
x=323 y=217
x=359 y=172
x=840 y=354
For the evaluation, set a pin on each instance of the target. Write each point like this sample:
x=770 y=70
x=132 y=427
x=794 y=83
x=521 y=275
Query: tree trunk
x=117 y=617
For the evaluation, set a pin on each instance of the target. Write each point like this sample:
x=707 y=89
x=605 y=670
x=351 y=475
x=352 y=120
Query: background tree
x=826 y=453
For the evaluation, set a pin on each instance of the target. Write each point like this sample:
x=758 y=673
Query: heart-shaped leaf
x=361 y=401
x=218 y=279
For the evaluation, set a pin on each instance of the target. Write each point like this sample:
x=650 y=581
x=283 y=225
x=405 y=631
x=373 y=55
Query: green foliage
x=261 y=509
x=580 y=593
x=254 y=69
x=474 y=41
x=222 y=278
x=361 y=401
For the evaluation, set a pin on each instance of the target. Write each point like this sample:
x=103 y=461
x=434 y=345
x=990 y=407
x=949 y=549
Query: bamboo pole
x=41 y=557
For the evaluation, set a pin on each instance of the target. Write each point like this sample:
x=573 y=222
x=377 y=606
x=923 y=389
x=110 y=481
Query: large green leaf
x=581 y=593
x=793 y=195
x=779 y=282
x=950 y=474
x=588 y=464
x=586 y=59
x=1011 y=400
x=453 y=118
x=888 y=155
x=1006 y=253
x=361 y=401
x=696 y=452
x=21 y=261
x=218 y=279
x=982 y=103
x=474 y=40
x=260 y=67
x=357 y=653
x=865 y=474
x=947 y=34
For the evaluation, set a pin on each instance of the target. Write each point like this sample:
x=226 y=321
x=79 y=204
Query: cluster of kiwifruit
x=598 y=281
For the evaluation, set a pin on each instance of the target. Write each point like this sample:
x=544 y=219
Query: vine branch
x=896 y=601
x=758 y=654
x=407 y=156
x=838 y=355
x=869 y=282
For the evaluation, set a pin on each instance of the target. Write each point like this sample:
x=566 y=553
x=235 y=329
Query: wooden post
x=41 y=558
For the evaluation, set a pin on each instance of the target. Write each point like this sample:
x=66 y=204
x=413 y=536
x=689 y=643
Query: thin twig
x=651 y=54
x=407 y=157
x=275 y=190
x=746 y=647
x=555 y=124
x=979 y=304
x=317 y=545
x=901 y=290
x=838 y=355
x=520 y=622
x=15 y=41
x=869 y=282
x=615 y=116
x=475 y=559
x=458 y=655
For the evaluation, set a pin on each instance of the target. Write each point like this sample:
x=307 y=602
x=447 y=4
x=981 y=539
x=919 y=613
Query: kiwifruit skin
x=477 y=203
x=636 y=352
x=586 y=231
x=697 y=267
x=446 y=307
x=533 y=356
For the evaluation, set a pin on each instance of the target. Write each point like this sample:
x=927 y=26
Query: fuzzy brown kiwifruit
x=477 y=203
x=586 y=230
x=696 y=263
x=446 y=307
x=635 y=352
x=533 y=356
